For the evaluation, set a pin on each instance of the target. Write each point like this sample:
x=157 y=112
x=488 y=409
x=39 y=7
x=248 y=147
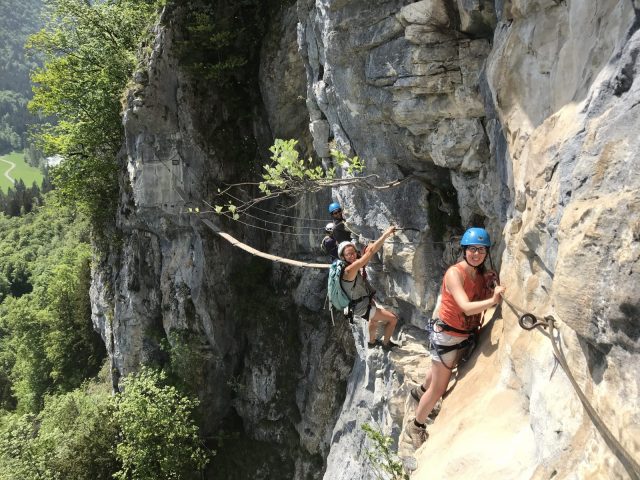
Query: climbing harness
x=469 y=343
x=528 y=321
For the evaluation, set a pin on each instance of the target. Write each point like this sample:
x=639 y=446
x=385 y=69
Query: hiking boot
x=374 y=344
x=417 y=392
x=387 y=347
x=418 y=435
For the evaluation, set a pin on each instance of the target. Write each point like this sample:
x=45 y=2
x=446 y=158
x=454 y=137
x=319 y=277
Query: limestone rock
x=477 y=17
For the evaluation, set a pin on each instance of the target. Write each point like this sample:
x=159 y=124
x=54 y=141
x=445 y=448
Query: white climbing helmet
x=344 y=245
x=329 y=227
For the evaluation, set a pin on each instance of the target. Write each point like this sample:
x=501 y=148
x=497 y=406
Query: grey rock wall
x=400 y=85
x=270 y=373
x=532 y=124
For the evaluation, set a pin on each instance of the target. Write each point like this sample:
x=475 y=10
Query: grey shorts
x=441 y=338
x=361 y=309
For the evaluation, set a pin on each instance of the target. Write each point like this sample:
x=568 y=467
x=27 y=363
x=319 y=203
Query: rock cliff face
x=519 y=116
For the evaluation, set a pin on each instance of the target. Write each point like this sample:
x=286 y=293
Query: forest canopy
x=58 y=417
x=18 y=20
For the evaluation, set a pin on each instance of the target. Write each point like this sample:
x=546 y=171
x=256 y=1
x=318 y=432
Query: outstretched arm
x=351 y=271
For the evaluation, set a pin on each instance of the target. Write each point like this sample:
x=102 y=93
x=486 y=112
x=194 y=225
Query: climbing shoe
x=418 y=435
x=374 y=344
x=387 y=347
x=417 y=392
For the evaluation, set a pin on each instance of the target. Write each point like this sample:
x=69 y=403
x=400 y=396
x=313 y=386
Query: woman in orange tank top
x=465 y=294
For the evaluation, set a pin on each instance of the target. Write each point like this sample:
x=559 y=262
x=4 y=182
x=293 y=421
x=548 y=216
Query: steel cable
x=529 y=321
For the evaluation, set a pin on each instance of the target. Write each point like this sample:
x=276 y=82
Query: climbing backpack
x=337 y=296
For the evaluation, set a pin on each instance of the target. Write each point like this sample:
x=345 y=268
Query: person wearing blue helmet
x=334 y=207
x=467 y=291
x=341 y=233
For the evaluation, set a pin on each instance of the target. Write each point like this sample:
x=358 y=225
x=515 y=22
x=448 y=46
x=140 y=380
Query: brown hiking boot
x=418 y=435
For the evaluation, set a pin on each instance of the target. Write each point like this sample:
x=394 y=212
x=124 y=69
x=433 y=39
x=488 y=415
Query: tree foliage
x=208 y=49
x=18 y=19
x=289 y=175
x=72 y=437
x=158 y=436
x=47 y=342
x=145 y=432
x=21 y=199
x=382 y=456
x=89 y=53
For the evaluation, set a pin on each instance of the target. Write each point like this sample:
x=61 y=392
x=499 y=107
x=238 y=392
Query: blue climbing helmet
x=334 y=206
x=475 y=236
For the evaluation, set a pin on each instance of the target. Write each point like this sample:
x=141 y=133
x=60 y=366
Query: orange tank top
x=450 y=313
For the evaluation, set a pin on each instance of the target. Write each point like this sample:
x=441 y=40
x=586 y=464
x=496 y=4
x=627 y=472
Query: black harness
x=469 y=343
x=355 y=301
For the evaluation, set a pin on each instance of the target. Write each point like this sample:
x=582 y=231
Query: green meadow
x=22 y=170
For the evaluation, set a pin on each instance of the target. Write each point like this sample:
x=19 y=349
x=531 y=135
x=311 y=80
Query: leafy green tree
x=158 y=436
x=292 y=176
x=89 y=53
x=73 y=437
x=73 y=349
x=30 y=370
x=19 y=455
x=77 y=435
x=18 y=19
x=47 y=341
x=216 y=45
x=145 y=432
x=9 y=139
x=382 y=457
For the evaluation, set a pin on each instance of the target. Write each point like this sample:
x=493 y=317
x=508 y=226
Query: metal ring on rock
x=528 y=321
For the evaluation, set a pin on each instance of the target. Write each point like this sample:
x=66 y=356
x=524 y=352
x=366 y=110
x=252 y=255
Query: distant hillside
x=18 y=20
